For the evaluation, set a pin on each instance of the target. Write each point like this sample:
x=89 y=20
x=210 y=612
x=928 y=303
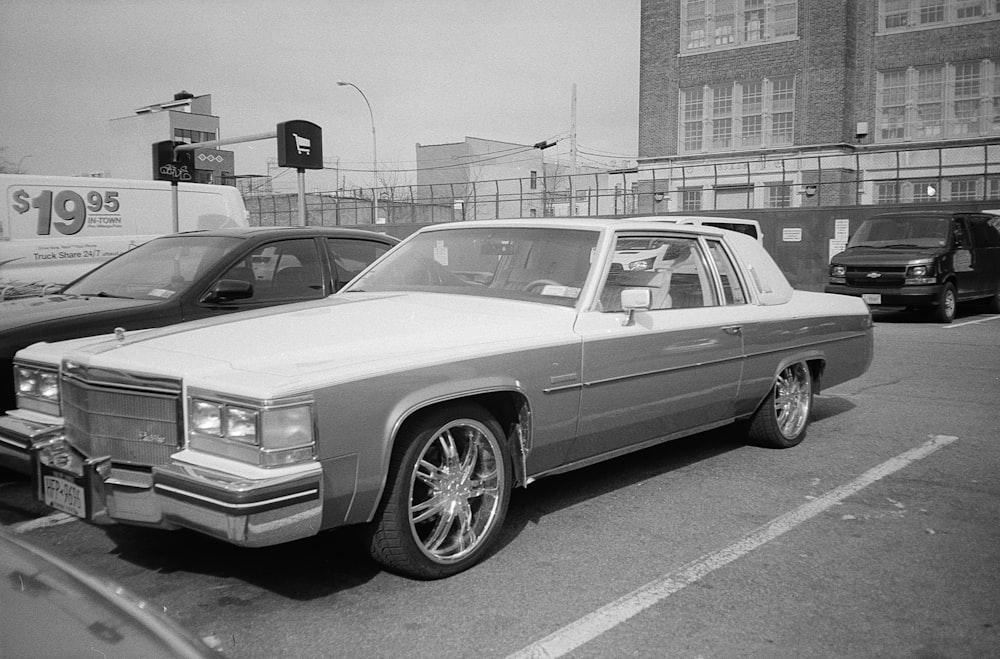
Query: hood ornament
x=120 y=335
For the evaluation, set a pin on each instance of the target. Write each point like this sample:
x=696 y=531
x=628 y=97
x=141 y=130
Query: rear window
x=748 y=229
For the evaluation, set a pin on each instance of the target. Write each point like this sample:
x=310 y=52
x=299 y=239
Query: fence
x=845 y=176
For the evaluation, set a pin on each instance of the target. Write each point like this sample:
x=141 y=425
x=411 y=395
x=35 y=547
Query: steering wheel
x=540 y=282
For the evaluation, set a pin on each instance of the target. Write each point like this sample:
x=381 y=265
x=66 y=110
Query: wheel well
x=816 y=368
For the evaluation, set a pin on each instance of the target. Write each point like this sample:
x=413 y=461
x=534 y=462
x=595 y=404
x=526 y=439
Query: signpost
x=300 y=145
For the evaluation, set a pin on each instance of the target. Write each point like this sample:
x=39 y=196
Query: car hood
x=304 y=346
x=34 y=310
x=872 y=256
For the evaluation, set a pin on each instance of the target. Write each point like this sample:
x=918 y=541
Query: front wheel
x=783 y=418
x=447 y=494
x=944 y=312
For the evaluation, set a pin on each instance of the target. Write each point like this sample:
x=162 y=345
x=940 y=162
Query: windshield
x=157 y=270
x=902 y=232
x=543 y=265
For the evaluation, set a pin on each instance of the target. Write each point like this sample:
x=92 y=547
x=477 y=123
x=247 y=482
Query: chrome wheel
x=793 y=399
x=782 y=419
x=446 y=495
x=455 y=490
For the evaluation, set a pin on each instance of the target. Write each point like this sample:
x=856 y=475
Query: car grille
x=134 y=419
x=888 y=277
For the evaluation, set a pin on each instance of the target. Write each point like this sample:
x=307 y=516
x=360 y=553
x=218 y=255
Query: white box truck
x=56 y=228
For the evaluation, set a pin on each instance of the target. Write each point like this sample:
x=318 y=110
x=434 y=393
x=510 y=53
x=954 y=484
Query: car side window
x=963 y=239
x=349 y=256
x=286 y=269
x=673 y=268
x=732 y=288
x=985 y=234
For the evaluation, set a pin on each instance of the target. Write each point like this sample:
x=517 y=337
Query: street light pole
x=371 y=115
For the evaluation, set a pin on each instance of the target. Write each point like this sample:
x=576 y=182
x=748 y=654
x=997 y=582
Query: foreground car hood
x=34 y=310
x=869 y=256
x=308 y=345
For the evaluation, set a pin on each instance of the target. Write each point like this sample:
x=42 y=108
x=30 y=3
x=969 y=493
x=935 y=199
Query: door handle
x=733 y=330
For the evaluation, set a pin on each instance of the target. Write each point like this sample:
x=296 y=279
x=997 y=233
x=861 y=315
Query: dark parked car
x=922 y=259
x=183 y=277
x=53 y=609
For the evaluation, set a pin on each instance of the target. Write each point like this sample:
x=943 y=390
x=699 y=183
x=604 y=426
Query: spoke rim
x=792 y=398
x=455 y=490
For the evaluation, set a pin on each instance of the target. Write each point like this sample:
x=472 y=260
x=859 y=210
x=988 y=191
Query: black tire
x=947 y=302
x=446 y=496
x=783 y=417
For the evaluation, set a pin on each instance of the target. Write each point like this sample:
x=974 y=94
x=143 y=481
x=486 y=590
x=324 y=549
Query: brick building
x=784 y=103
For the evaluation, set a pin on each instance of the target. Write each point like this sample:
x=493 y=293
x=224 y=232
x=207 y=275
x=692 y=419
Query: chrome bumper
x=20 y=433
x=254 y=509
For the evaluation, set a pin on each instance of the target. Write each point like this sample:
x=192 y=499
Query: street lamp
x=371 y=115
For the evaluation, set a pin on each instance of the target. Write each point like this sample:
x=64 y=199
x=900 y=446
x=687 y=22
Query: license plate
x=64 y=495
x=872 y=298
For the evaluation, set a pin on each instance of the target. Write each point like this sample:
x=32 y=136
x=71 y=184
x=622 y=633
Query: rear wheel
x=783 y=418
x=447 y=495
x=944 y=312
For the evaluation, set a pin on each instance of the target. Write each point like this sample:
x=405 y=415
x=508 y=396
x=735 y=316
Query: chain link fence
x=844 y=177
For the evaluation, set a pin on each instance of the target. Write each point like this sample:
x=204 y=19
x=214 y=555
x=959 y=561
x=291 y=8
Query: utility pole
x=572 y=155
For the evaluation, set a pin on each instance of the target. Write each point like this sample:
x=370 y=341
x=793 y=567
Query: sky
x=434 y=71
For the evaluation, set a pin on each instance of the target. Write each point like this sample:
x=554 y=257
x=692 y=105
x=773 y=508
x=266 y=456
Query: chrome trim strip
x=184 y=494
x=620 y=378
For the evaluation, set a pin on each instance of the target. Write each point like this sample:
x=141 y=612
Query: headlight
x=37 y=388
x=271 y=435
x=920 y=274
x=838 y=270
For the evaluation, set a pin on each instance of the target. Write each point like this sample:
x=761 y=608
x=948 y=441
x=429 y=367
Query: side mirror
x=635 y=299
x=227 y=290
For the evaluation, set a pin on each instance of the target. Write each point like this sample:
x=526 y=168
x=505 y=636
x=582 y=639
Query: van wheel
x=446 y=497
x=944 y=312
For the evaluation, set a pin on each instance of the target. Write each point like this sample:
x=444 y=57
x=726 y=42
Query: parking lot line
x=54 y=519
x=972 y=322
x=607 y=617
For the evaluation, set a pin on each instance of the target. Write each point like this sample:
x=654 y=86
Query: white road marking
x=54 y=519
x=591 y=626
x=972 y=322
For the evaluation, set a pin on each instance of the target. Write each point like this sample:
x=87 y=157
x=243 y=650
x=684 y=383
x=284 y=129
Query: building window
x=926 y=190
x=694 y=107
x=534 y=180
x=902 y=15
x=963 y=189
x=886 y=192
x=691 y=199
x=779 y=195
x=993 y=187
x=939 y=101
x=746 y=114
x=712 y=24
x=192 y=136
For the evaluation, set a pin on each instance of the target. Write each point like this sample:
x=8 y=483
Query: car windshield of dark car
x=902 y=232
x=157 y=270
x=538 y=264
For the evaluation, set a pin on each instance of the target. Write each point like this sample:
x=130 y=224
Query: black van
x=922 y=259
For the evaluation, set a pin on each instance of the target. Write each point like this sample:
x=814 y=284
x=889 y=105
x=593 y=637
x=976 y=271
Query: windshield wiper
x=906 y=245
x=102 y=294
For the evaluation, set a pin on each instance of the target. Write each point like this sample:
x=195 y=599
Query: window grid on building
x=959 y=99
x=779 y=195
x=902 y=15
x=716 y=24
x=742 y=115
x=691 y=199
x=192 y=136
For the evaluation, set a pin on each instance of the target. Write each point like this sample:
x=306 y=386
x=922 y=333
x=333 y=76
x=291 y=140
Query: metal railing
x=842 y=176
